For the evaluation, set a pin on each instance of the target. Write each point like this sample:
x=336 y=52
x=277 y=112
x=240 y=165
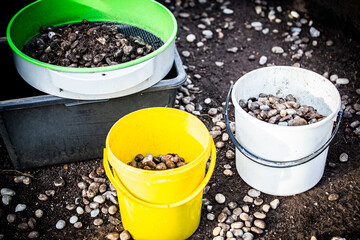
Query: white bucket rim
x=328 y=118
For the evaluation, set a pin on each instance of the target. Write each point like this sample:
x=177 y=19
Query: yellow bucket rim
x=167 y=172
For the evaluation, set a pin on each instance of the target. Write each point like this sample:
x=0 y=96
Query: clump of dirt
x=86 y=44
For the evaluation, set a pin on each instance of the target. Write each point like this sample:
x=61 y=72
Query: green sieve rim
x=16 y=50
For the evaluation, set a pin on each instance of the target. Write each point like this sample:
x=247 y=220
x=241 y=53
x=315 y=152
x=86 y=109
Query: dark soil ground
x=297 y=217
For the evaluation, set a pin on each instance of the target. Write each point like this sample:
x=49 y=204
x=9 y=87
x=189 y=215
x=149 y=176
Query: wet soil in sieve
x=297 y=217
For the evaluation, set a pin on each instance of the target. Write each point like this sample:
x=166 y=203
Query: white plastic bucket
x=283 y=160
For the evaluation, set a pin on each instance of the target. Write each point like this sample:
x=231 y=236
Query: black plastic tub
x=47 y=130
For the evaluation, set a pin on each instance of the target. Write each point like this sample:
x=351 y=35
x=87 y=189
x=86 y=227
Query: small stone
x=215 y=133
x=219 y=238
x=260 y=223
x=100 y=171
x=333 y=77
x=248 y=236
x=254 y=193
x=113 y=236
x=265 y=207
x=125 y=235
x=95 y=212
x=237 y=225
x=185 y=53
x=277 y=50
x=232 y=50
x=39 y=213
x=208 y=34
x=82 y=185
x=42 y=197
x=294 y=14
x=190 y=38
x=190 y=108
x=222 y=217
x=251 y=57
x=220 y=198
x=73 y=219
x=329 y=43
x=333 y=197
x=19 y=179
x=342 y=81
x=59 y=182
x=78 y=225
x=228 y=172
x=114 y=221
x=6 y=199
x=50 y=193
x=244 y=216
x=248 y=199
x=26 y=180
x=256 y=230
x=216 y=231
x=31 y=222
x=259 y=215
x=258 y=201
x=314 y=32
x=230 y=154
x=274 y=203
x=98 y=222
x=99 y=199
x=8 y=192
x=33 y=234
x=60 y=224
x=11 y=218
x=207 y=101
x=263 y=60
x=245 y=208
x=20 y=207
x=344 y=157
x=228 y=11
x=80 y=210
x=237 y=211
x=212 y=111
x=219 y=64
x=112 y=209
x=210 y=216
x=297 y=121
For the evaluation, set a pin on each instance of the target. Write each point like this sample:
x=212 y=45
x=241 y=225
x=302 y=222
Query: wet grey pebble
x=11 y=218
x=210 y=216
x=73 y=219
x=60 y=224
x=33 y=234
x=7 y=191
x=263 y=60
x=344 y=157
x=20 y=207
x=220 y=198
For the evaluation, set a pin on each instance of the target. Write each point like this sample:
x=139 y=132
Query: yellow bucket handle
x=122 y=189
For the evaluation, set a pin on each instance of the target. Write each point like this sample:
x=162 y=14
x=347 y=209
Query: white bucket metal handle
x=274 y=163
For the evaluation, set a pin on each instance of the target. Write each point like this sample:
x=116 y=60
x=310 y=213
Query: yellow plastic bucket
x=146 y=220
x=159 y=131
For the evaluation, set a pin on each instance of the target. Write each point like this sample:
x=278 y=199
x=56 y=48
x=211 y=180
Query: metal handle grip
x=274 y=163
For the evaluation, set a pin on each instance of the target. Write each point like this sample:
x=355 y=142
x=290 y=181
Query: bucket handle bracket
x=273 y=163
